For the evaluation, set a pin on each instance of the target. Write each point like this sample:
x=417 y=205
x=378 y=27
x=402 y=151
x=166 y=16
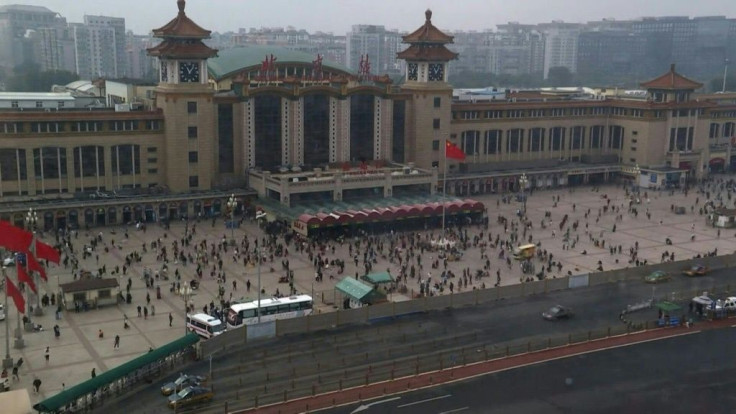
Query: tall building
x=32 y=33
x=106 y=42
x=516 y=49
x=611 y=57
x=560 y=45
x=379 y=44
x=140 y=65
x=472 y=47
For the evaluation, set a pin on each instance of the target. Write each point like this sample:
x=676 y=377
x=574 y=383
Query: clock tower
x=186 y=98
x=429 y=110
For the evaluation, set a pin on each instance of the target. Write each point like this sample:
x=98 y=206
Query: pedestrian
x=63 y=387
x=15 y=373
x=171 y=319
x=94 y=374
x=20 y=362
x=139 y=311
x=100 y=334
x=235 y=283
x=36 y=385
x=153 y=310
x=117 y=342
x=47 y=355
x=145 y=312
x=148 y=298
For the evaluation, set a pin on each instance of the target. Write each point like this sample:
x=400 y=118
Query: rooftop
x=427 y=33
x=672 y=81
x=36 y=96
x=231 y=61
x=182 y=26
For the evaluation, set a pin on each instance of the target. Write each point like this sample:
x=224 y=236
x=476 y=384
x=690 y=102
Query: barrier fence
x=340 y=317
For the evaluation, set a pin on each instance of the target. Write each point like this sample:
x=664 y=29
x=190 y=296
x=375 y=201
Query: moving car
x=557 y=312
x=658 y=276
x=696 y=270
x=182 y=382
x=190 y=395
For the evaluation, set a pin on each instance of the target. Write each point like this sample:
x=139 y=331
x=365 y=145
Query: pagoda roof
x=182 y=26
x=176 y=49
x=672 y=81
x=428 y=33
x=427 y=53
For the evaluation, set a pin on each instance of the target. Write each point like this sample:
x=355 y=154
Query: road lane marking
x=457 y=410
x=423 y=401
x=364 y=407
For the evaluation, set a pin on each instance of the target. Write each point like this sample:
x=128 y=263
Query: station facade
x=295 y=127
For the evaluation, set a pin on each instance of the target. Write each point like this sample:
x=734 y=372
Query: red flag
x=14 y=293
x=44 y=251
x=14 y=238
x=452 y=151
x=23 y=276
x=19 y=240
x=35 y=266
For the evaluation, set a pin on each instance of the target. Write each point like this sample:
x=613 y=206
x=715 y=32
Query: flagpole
x=444 y=192
x=19 y=343
x=8 y=361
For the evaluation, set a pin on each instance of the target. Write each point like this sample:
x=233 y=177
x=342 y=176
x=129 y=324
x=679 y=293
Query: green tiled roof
x=231 y=61
x=378 y=277
x=354 y=288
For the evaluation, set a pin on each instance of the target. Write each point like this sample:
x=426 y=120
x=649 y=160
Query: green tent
x=668 y=307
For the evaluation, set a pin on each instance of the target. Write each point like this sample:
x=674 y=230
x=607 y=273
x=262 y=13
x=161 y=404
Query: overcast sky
x=338 y=15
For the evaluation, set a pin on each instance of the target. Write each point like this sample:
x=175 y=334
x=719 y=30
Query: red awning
x=414 y=211
x=453 y=207
x=716 y=161
x=425 y=210
x=385 y=213
x=373 y=215
x=358 y=216
x=474 y=205
x=309 y=220
x=326 y=219
x=342 y=218
x=400 y=212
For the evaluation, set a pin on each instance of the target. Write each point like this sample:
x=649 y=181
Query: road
x=294 y=364
x=685 y=374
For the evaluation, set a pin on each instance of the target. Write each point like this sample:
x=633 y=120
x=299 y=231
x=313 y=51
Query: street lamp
x=186 y=292
x=637 y=173
x=7 y=361
x=32 y=220
x=522 y=183
x=232 y=203
x=725 y=73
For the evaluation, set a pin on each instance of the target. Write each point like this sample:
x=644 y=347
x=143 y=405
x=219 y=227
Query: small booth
x=379 y=279
x=357 y=294
x=724 y=218
x=89 y=293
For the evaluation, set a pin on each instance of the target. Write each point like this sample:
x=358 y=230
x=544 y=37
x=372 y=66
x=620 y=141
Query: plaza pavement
x=79 y=350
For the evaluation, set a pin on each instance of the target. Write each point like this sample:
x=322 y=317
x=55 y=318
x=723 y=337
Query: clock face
x=413 y=71
x=164 y=72
x=188 y=72
x=436 y=72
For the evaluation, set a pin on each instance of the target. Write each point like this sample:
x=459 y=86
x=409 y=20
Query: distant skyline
x=337 y=16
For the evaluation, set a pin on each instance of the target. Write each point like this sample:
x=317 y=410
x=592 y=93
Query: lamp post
x=32 y=220
x=522 y=183
x=232 y=203
x=725 y=73
x=258 y=258
x=186 y=292
x=637 y=173
x=19 y=343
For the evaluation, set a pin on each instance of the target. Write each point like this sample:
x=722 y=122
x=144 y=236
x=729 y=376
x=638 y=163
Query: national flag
x=14 y=293
x=24 y=277
x=19 y=240
x=45 y=251
x=35 y=266
x=453 y=151
x=14 y=238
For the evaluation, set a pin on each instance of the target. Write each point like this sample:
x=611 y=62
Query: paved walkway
x=79 y=350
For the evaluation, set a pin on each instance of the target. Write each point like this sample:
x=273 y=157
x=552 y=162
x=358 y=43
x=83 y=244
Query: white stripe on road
x=457 y=410
x=424 y=401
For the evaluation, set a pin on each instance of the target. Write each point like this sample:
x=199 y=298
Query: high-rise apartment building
x=379 y=44
x=33 y=34
x=560 y=45
x=107 y=33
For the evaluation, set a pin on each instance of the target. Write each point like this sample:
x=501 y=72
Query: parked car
x=557 y=312
x=658 y=276
x=190 y=395
x=696 y=270
x=182 y=382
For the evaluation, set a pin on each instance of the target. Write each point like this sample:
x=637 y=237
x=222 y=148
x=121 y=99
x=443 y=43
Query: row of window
x=82 y=126
x=726 y=130
x=552 y=113
x=89 y=161
x=517 y=140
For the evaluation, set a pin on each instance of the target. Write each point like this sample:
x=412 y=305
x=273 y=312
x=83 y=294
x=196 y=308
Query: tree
x=560 y=76
x=27 y=77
